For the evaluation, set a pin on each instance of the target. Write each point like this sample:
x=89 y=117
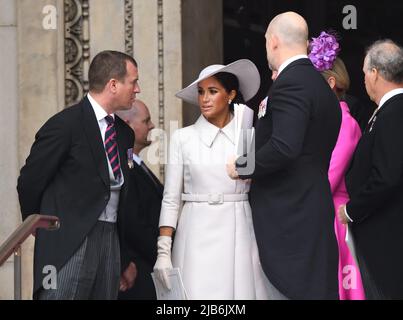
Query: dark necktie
x=149 y=174
x=111 y=147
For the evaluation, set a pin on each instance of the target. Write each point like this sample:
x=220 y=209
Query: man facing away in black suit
x=375 y=179
x=292 y=206
x=77 y=170
x=143 y=207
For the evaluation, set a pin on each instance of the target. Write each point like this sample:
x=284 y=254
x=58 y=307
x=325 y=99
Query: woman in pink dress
x=323 y=55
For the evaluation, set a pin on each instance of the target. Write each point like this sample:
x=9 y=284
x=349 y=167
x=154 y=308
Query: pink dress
x=350 y=284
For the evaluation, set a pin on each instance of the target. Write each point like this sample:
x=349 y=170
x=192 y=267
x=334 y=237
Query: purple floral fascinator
x=324 y=50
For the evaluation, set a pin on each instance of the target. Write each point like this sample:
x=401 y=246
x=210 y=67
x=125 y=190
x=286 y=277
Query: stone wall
x=9 y=163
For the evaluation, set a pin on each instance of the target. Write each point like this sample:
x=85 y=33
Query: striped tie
x=111 y=146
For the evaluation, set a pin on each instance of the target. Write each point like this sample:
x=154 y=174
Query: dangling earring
x=229 y=101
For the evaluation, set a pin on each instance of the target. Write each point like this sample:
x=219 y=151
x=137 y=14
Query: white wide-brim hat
x=244 y=69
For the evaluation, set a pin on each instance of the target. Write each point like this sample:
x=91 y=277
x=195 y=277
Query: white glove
x=164 y=262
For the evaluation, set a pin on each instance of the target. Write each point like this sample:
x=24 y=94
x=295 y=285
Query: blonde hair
x=339 y=72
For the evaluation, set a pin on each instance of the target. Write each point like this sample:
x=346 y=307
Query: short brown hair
x=107 y=65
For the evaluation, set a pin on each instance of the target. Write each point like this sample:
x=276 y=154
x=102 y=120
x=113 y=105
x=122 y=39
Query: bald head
x=130 y=114
x=290 y=28
x=286 y=37
x=139 y=119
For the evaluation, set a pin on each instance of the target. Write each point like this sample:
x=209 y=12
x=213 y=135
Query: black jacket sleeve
x=51 y=146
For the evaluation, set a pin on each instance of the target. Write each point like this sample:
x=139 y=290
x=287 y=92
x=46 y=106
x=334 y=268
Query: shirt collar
x=289 y=61
x=384 y=99
x=137 y=159
x=100 y=112
x=389 y=95
x=208 y=132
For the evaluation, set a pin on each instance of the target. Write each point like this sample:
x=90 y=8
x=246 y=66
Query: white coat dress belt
x=214 y=198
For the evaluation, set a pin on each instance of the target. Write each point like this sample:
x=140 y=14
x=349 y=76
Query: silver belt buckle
x=215 y=198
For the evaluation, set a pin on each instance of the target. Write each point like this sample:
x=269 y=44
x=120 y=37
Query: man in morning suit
x=375 y=178
x=290 y=196
x=77 y=170
x=143 y=207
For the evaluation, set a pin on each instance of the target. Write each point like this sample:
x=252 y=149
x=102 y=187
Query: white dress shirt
x=110 y=212
x=137 y=159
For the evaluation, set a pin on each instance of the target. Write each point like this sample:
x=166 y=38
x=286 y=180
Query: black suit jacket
x=290 y=196
x=66 y=175
x=360 y=110
x=142 y=213
x=375 y=185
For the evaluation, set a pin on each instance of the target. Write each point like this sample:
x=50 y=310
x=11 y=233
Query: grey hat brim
x=244 y=69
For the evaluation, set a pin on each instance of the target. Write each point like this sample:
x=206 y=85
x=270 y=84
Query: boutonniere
x=262 y=108
x=130 y=158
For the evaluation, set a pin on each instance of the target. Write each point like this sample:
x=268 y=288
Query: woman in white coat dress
x=214 y=246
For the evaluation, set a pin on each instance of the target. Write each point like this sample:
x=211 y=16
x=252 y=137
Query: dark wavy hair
x=230 y=82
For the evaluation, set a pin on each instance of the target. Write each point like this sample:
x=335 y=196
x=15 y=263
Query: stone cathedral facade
x=46 y=49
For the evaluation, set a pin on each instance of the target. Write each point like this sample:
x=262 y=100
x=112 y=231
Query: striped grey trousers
x=93 y=272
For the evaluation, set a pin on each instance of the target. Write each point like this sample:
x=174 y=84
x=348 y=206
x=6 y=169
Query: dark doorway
x=245 y=23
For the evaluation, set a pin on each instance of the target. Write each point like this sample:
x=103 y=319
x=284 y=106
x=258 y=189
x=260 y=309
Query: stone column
x=9 y=215
x=106 y=26
x=157 y=49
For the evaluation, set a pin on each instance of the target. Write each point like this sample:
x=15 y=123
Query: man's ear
x=112 y=85
x=375 y=74
x=274 y=41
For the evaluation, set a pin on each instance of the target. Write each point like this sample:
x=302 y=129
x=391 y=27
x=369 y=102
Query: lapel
x=365 y=143
x=378 y=111
x=156 y=184
x=206 y=131
x=122 y=143
x=91 y=129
